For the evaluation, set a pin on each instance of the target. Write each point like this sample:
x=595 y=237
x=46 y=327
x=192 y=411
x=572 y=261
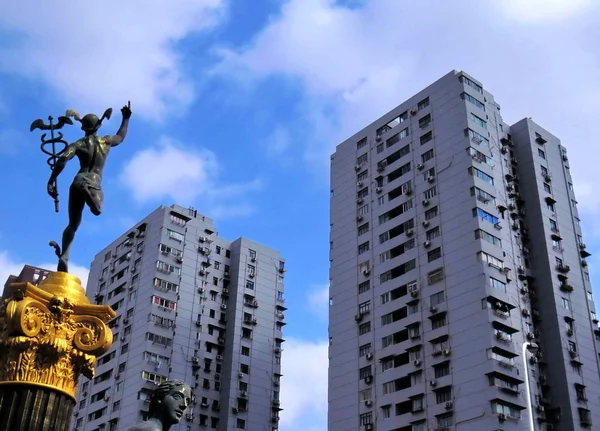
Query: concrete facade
x=192 y=306
x=443 y=266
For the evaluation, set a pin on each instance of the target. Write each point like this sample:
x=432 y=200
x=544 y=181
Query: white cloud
x=304 y=386
x=11 y=266
x=99 y=54
x=358 y=62
x=318 y=301
x=543 y=11
x=279 y=142
x=173 y=171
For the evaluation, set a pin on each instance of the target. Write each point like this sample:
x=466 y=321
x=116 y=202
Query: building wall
x=196 y=335
x=485 y=315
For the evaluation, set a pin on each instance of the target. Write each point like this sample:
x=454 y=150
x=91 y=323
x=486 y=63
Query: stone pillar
x=49 y=336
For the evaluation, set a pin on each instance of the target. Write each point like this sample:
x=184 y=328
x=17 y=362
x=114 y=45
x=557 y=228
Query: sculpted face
x=175 y=404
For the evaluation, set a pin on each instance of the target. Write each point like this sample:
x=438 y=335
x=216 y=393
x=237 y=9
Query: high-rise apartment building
x=455 y=242
x=191 y=306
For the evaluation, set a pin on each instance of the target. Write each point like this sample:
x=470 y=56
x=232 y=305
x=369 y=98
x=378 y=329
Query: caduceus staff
x=53 y=141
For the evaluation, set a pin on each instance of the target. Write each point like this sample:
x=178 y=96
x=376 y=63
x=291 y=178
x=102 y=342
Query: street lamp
x=532 y=348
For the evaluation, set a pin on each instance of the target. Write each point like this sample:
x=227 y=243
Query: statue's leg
x=76 y=205
x=94 y=200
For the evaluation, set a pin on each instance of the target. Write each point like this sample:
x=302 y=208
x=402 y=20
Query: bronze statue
x=167 y=405
x=92 y=151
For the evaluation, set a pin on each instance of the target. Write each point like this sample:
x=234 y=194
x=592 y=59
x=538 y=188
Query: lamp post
x=532 y=348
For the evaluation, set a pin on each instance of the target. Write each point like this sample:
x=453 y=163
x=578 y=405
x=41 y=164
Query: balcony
x=563 y=268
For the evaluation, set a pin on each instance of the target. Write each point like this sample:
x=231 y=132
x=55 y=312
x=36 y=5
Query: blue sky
x=237 y=106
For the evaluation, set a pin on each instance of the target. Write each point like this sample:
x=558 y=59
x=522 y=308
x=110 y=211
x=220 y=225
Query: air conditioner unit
x=189 y=417
x=223 y=306
x=198 y=323
x=243 y=394
x=417 y=362
x=240 y=375
x=359 y=201
x=408 y=192
x=426 y=244
x=219 y=357
x=126 y=321
x=368 y=403
x=448 y=405
x=359 y=218
x=234 y=410
x=378 y=190
x=425 y=223
x=433 y=383
x=378 y=138
x=366 y=271
x=409 y=232
x=446 y=352
x=359 y=184
x=369 y=427
x=569 y=332
x=180 y=259
x=433 y=309
x=413 y=112
x=225 y=291
x=368 y=379
x=430 y=179
x=525 y=312
x=195 y=359
x=501 y=417
x=357 y=168
x=369 y=356
x=425 y=202
x=498 y=226
x=202 y=239
x=217 y=377
x=200 y=290
x=420 y=166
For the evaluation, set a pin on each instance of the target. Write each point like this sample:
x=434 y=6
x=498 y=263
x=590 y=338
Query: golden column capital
x=51 y=334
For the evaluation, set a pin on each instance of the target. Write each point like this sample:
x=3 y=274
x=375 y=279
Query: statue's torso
x=92 y=152
x=145 y=426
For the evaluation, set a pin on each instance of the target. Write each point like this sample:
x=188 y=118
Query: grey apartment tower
x=460 y=293
x=191 y=306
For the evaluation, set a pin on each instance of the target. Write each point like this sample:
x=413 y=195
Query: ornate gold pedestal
x=49 y=336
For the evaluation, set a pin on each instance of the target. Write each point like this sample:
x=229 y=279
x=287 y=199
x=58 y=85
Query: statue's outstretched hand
x=52 y=191
x=126 y=111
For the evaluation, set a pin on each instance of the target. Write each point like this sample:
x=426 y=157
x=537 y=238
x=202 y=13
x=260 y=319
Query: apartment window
x=386 y=411
x=570 y=186
x=427 y=155
x=361 y=144
x=466 y=81
x=475 y=119
x=424 y=121
x=385 y=297
x=550 y=205
x=435 y=276
x=438 y=321
x=580 y=391
x=423 y=104
x=431 y=213
x=364 y=350
x=365 y=372
x=240 y=424
x=481 y=234
x=441 y=370
x=547 y=188
x=443 y=395
x=557 y=244
x=175 y=235
x=364 y=307
x=363 y=176
x=472 y=100
x=497 y=284
x=445 y=420
x=480 y=157
x=249 y=284
x=365 y=394
x=541 y=153
x=433 y=233
x=412 y=308
x=363 y=210
x=434 y=254
x=364 y=286
x=426 y=138
x=365 y=328
x=566 y=303
x=544 y=170
x=505 y=408
x=363 y=193
x=490 y=260
x=484 y=215
x=553 y=225
x=481 y=175
x=387 y=364
x=477 y=138
x=380 y=148
x=430 y=193
x=363 y=248
x=361 y=160
x=437 y=298
x=419 y=426
x=380 y=200
x=366 y=419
